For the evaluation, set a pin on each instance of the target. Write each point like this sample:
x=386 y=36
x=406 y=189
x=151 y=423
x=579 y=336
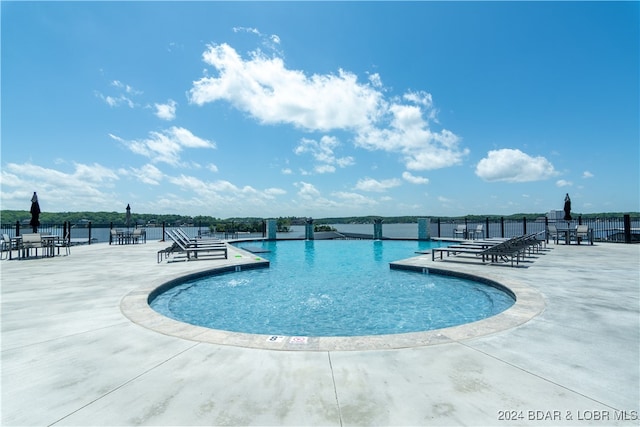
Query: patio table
x=568 y=234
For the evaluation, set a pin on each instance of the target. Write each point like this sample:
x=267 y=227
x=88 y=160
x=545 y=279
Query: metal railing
x=611 y=229
x=623 y=229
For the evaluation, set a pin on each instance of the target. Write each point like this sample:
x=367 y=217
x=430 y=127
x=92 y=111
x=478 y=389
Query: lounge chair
x=180 y=232
x=176 y=234
x=493 y=250
x=166 y=252
x=193 y=250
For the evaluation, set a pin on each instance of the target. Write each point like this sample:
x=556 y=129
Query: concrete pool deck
x=70 y=356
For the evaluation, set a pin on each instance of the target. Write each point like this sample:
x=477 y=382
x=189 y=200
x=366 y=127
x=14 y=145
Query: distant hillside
x=118 y=218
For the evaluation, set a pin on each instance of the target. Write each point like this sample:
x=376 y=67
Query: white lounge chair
x=192 y=250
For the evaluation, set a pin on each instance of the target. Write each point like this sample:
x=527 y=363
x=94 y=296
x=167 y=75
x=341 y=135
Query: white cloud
x=148 y=174
x=420 y=97
x=116 y=101
x=370 y=184
x=563 y=183
x=324 y=169
x=246 y=30
x=409 y=134
x=166 y=111
x=323 y=152
x=123 y=97
x=84 y=188
x=213 y=168
x=264 y=88
x=354 y=199
x=165 y=146
x=587 y=174
x=286 y=171
x=512 y=165
x=271 y=193
x=222 y=194
x=375 y=80
x=306 y=190
x=414 y=179
x=127 y=89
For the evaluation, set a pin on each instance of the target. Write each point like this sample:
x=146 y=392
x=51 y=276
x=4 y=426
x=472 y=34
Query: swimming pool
x=331 y=288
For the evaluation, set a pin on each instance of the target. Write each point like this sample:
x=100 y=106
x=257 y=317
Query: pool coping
x=529 y=303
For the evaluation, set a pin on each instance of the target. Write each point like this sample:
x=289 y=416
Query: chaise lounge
x=194 y=250
x=494 y=250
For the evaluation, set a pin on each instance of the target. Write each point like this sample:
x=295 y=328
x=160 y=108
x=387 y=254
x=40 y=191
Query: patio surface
x=70 y=355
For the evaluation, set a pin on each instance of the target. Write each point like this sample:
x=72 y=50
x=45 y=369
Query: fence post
x=308 y=229
x=17 y=228
x=580 y=220
x=163 y=225
x=377 y=229
x=524 y=225
x=89 y=242
x=439 y=227
x=486 y=226
x=627 y=228
x=502 y=226
x=546 y=228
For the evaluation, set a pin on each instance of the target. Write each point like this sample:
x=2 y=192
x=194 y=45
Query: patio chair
x=554 y=234
x=479 y=231
x=460 y=229
x=139 y=235
x=31 y=241
x=583 y=232
x=65 y=243
x=7 y=246
x=116 y=237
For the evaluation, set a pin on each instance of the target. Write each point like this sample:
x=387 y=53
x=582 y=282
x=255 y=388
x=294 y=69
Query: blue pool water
x=331 y=288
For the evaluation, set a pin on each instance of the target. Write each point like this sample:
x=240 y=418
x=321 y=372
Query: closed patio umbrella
x=128 y=216
x=35 y=213
x=567 y=208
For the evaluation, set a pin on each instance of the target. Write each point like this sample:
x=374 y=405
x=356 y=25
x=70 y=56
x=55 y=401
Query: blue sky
x=320 y=109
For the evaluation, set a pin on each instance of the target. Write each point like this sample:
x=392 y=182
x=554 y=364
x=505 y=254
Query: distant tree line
x=118 y=219
x=251 y=224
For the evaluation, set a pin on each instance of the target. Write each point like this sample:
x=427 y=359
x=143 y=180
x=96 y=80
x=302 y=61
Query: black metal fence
x=623 y=229
x=87 y=233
